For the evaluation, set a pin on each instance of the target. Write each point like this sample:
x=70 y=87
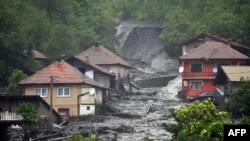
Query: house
x=199 y=66
x=228 y=78
x=67 y=90
x=202 y=38
x=101 y=75
x=40 y=59
x=106 y=59
x=10 y=103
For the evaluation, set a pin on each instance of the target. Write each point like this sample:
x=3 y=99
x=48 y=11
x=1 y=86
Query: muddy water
x=153 y=112
x=139 y=116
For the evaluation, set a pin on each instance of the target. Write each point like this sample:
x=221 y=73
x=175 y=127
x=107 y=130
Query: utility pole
x=51 y=93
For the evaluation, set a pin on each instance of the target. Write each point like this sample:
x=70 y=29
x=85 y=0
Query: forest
x=67 y=27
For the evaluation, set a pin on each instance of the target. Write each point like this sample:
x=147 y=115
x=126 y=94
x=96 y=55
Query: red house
x=199 y=66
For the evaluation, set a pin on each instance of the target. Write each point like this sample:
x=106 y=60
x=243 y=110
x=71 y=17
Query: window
x=63 y=111
x=196 y=67
x=88 y=107
x=63 y=92
x=196 y=85
x=43 y=92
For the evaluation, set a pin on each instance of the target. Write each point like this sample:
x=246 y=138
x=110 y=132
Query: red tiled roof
x=216 y=37
x=101 y=56
x=62 y=72
x=39 y=55
x=213 y=50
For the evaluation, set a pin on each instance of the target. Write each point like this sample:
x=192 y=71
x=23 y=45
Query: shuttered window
x=196 y=67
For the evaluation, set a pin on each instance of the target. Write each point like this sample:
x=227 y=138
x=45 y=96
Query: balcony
x=6 y=116
x=198 y=75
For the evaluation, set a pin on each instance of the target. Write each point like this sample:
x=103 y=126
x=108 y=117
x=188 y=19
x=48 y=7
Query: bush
x=201 y=120
x=31 y=117
x=91 y=137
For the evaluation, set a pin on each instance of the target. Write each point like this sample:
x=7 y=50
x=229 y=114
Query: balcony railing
x=198 y=74
x=6 y=116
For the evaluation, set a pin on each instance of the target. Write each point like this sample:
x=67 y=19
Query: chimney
x=229 y=42
x=60 y=59
x=97 y=44
x=87 y=59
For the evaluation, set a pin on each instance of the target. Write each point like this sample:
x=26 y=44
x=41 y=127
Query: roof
x=101 y=56
x=215 y=37
x=62 y=72
x=234 y=73
x=29 y=98
x=39 y=55
x=106 y=71
x=214 y=50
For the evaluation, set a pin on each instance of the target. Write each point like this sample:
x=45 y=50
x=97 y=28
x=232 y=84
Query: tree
x=13 y=87
x=18 y=23
x=32 y=119
x=201 y=120
x=91 y=137
x=239 y=101
x=53 y=27
x=185 y=18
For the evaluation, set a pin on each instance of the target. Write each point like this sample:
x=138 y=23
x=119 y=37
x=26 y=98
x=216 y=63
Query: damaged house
x=106 y=59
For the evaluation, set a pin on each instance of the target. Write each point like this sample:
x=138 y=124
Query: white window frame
x=197 y=81
x=63 y=92
x=43 y=92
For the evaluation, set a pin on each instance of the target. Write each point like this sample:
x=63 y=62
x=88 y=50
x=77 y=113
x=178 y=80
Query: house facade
x=228 y=78
x=106 y=59
x=67 y=90
x=199 y=66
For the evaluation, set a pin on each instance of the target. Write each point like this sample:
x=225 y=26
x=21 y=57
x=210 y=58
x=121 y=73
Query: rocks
x=15 y=133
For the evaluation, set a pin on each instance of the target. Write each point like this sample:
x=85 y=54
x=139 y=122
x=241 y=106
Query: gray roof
x=235 y=73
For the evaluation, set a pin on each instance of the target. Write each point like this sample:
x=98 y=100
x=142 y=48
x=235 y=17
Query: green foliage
x=91 y=137
x=202 y=120
x=53 y=27
x=13 y=87
x=173 y=128
x=195 y=138
x=67 y=27
x=239 y=101
x=186 y=19
x=32 y=119
x=182 y=19
x=148 y=139
x=13 y=39
x=245 y=120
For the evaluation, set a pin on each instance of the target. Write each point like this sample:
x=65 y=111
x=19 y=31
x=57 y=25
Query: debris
x=54 y=125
